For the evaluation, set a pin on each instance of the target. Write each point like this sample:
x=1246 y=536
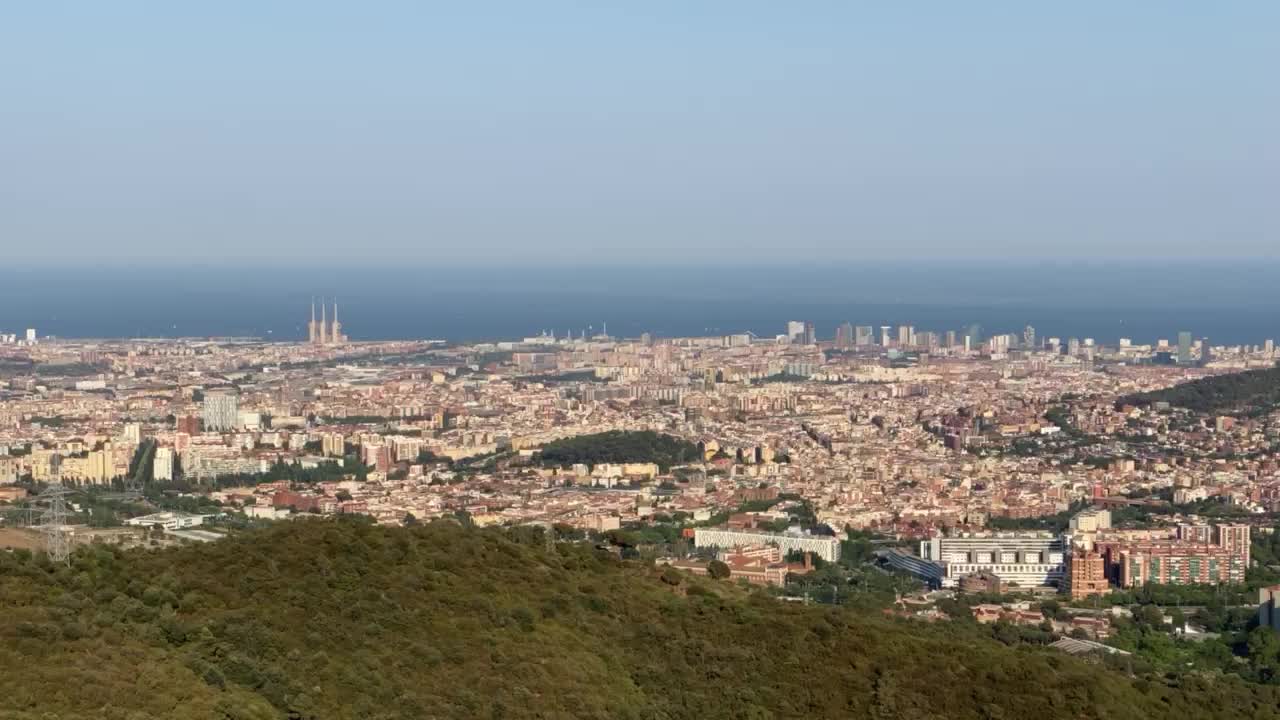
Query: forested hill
x=1248 y=392
x=338 y=620
x=617 y=446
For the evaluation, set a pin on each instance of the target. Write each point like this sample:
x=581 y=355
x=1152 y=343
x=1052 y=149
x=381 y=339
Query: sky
x=423 y=134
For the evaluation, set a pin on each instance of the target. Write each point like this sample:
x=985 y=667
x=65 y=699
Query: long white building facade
x=827 y=548
x=1027 y=559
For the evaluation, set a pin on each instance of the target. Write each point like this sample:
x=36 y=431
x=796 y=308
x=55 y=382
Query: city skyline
x=693 y=359
x=1231 y=303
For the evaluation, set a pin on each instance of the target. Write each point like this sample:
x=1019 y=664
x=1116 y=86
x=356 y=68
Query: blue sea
x=1228 y=303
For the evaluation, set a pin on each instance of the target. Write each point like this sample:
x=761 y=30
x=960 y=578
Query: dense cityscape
x=1011 y=480
x=639 y=361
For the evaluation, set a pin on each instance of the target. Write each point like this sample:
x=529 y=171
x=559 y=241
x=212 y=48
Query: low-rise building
x=168 y=520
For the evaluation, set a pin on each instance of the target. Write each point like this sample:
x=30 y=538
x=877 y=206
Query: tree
x=101 y=517
x=247 y=627
x=718 y=570
x=671 y=576
x=1151 y=616
x=619 y=446
x=1263 y=644
x=1051 y=609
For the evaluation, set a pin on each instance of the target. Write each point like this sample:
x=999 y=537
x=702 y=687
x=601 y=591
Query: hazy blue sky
x=682 y=131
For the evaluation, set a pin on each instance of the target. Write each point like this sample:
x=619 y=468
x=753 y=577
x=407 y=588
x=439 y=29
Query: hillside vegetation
x=333 y=620
x=1248 y=392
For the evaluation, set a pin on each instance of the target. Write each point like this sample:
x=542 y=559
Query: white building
x=220 y=411
x=1086 y=524
x=827 y=548
x=1027 y=559
x=1091 y=520
x=167 y=520
x=162 y=464
x=210 y=463
x=266 y=512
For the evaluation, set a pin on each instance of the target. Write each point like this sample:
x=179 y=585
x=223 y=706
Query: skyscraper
x=1206 y=354
x=906 y=336
x=884 y=335
x=1028 y=337
x=864 y=335
x=974 y=335
x=844 y=335
x=1184 y=347
x=795 y=330
x=810 y=334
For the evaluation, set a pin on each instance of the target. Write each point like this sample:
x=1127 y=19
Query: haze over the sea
x=1227 y=302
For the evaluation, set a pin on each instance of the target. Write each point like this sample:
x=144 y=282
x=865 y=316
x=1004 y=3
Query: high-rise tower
x=1184 y=347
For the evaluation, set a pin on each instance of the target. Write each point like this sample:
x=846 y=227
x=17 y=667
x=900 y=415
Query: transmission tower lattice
x=549 y=537
x=53 y=520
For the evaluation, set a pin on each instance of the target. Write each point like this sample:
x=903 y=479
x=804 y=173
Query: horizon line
x=20 y=266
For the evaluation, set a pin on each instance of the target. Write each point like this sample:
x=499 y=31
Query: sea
x=1229 y=303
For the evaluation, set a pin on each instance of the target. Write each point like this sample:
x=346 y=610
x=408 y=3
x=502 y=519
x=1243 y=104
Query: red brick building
x=1086 y=574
